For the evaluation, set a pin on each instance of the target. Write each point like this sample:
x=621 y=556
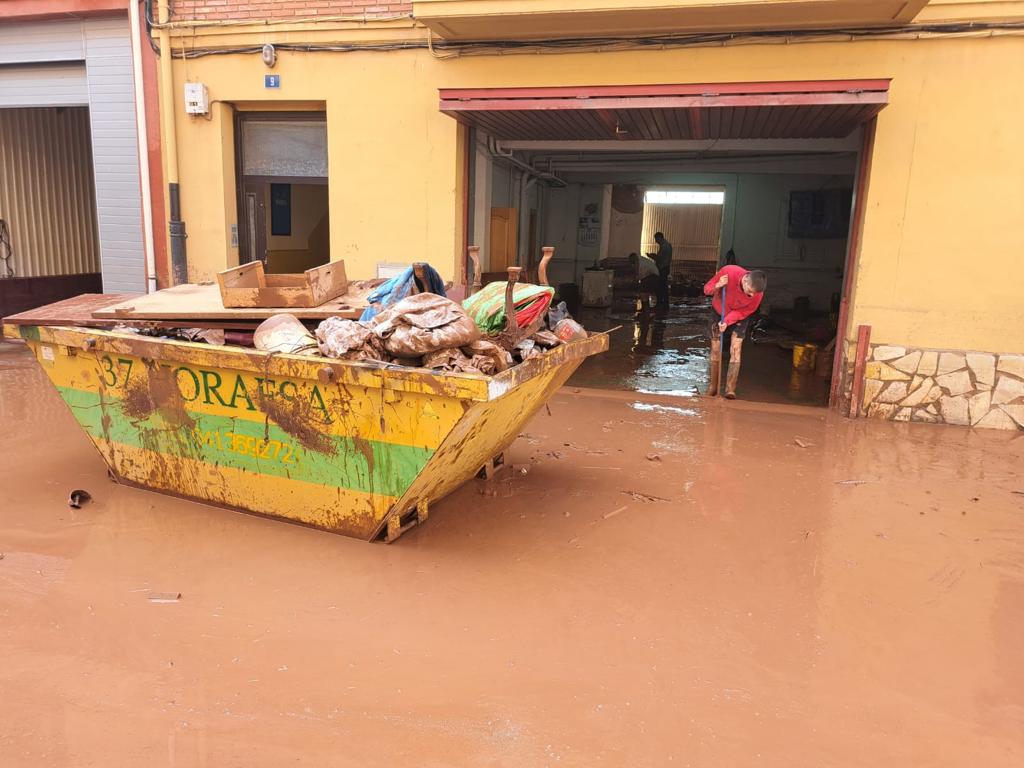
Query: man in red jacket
x=743 y=292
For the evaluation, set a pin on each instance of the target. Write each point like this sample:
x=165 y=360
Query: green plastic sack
x=487 y=308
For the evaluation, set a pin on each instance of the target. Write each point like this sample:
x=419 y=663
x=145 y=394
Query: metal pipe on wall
x=176 y=227
x=143 y=140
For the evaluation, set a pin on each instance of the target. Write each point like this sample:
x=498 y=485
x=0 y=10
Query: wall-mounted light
x=269 y=55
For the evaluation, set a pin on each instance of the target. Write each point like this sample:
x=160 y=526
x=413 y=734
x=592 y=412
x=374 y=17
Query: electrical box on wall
x=197 y=99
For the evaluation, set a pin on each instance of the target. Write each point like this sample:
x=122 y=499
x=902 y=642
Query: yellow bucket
x=804 y=356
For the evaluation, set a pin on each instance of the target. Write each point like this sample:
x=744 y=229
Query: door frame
x=245 y=184
x=853 y=243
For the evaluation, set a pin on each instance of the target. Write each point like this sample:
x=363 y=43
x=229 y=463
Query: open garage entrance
x=759 y=174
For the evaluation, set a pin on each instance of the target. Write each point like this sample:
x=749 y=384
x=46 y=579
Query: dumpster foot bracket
x=488 y=470
x=399 y=524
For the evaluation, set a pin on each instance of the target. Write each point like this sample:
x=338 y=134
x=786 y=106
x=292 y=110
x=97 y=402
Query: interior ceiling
x=788 y=110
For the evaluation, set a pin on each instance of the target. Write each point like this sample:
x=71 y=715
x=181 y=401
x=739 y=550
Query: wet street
x=654 y=581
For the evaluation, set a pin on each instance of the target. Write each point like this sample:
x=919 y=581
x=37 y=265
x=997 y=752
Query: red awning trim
x=691 y=89
x=666 y=102
x=794 y=109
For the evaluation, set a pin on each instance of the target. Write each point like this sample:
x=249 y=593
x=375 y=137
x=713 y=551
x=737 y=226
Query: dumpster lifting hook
x=326 y=374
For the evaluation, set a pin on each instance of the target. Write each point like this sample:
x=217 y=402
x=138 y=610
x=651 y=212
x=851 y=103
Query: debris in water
x=644 y=497
x=164 y=597
x=852 y=482
x=555 y=455
x=653 y=457
x=614 y=512
x=803 y=443
x=547 y=408
x=78 y=497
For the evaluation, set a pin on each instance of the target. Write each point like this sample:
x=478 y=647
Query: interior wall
x=560 y=216
x=502 y=180
x=484 y=168
x=804 y=267
x=309 y=210
x=624 y=233
x=754 y=224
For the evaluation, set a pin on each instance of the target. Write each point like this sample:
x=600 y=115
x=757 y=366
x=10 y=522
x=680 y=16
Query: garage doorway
x=283 y=205
x=788 y=156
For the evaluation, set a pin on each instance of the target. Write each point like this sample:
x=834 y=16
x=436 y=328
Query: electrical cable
x=446 y=49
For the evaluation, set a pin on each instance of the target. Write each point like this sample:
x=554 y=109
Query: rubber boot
x=731 y=378
x=715 y=369
x=715 y=365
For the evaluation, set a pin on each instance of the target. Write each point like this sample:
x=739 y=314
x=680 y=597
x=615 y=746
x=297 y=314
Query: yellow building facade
x=937 y=234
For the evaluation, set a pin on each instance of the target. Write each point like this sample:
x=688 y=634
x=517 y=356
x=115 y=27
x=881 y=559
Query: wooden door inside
x=252 y=239
x=503 y=239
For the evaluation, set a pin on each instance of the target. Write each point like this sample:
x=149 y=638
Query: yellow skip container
x=350 y=447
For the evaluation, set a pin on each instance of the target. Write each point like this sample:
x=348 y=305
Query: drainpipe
x=179 y=267
x=509 y=157
x=140 y=127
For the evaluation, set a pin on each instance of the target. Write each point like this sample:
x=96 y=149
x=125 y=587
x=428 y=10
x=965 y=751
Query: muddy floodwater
x=654 y=581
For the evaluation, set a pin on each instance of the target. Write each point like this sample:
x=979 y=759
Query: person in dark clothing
x=647 y=279
x=664 y=261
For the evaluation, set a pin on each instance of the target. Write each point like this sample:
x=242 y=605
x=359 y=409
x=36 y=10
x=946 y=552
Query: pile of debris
x=426 y=330
x=406 y=320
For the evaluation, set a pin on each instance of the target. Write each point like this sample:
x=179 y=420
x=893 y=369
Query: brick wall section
x=195 y=10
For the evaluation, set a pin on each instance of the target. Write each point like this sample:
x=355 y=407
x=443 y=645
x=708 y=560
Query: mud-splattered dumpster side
x=347 y=447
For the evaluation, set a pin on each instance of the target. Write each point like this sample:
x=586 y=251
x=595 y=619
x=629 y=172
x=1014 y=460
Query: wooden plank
x=190 y=302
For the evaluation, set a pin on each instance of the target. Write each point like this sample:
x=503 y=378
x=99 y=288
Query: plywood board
x=202 y=302
x=75 y=311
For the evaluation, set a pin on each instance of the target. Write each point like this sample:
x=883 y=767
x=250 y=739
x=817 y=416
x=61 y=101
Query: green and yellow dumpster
x=348 y=447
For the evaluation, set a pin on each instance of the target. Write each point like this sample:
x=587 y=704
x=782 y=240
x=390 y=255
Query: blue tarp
x=397 y=288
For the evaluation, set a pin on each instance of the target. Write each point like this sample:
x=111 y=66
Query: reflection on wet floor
x=667 y=354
